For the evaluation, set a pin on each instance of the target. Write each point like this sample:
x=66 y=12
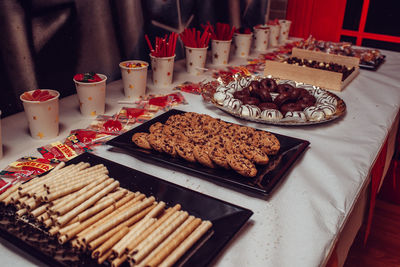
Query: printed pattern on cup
x=285 y=28
x=134 y=78
x=92 y=97
x=274 y=34
x=261 y=38
x=43 y=116
x=195 y=59
x=242 y=44
x=220 y=51
x=163 y=70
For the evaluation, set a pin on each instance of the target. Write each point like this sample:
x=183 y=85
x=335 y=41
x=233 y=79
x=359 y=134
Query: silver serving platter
x=324 y=98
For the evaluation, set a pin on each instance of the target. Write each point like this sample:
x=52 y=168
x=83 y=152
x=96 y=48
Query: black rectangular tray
x=266 y=180
x=227 y=219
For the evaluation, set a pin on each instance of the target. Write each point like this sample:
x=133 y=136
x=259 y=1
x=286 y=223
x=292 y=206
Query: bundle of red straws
x=165 y=47
x=222 y=31
x=193 y=38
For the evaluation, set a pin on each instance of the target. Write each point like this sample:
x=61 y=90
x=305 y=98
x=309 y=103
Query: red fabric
x=320 y=18
x=376 y=177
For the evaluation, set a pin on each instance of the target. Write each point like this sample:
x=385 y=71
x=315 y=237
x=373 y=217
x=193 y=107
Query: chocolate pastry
x=263 y=94
x=254 y=85
x=268 y=84
x=241 y=94
x=306 y=101
x=290 y=107
x=284 y=87
x=267 y=105
x=251 y=100
x=282 y=98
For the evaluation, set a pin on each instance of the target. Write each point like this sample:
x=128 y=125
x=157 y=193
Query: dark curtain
x=45 y=42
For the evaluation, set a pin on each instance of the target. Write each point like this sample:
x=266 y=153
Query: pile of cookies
x=210 y=142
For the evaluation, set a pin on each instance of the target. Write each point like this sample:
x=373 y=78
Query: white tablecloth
x=299 y=224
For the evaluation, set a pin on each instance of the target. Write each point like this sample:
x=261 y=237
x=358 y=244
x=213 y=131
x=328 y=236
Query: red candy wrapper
x=111 y=125
x=91 y=138
x=189 y=87
x=139 y=115
x=23 y=170
x=58 y=151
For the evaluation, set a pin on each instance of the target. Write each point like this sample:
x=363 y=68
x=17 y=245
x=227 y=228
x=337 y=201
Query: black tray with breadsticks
x=226 y=220
x=267 y=176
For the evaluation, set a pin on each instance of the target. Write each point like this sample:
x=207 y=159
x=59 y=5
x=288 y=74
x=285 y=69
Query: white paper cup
x=274 y=33
x=1 y=142
x=285 y=28
x=92 y=96
x=42 y=116
x=163 y=70
x=220 y=51
x=261 y=38
x=195 y=59
x=242 y=44
x=134 y=78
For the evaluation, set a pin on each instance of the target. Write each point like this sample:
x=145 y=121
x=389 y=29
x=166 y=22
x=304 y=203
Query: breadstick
x=75 y=179
x=100 y=240
x=186 y=244
x=70 y=177
x=136 y=230
x=118 y=261
x=146 y=233
x=87 y=203
x=58 y=167
x=9 y=191
x=158 y=236
x=40 y=180
x=170 y=243
x=119 y=218
x=95 y=186
x=21 y=212
x=136 y=200
x=84 y=225
x=154 y=213
x=110 y=242
x=70 y=189
x=95 y=209
x=10 y=199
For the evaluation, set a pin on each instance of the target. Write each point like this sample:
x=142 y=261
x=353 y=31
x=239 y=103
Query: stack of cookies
x=210 y=142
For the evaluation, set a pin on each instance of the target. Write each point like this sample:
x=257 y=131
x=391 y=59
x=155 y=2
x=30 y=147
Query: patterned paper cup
x=163 y=70
x=242 y=44
x=195 y=59
x=274 y=34
x=285 y=28
x=42 y=116
x=261 y=38
x=134 y=78
x=220 y=51
x=92 y=96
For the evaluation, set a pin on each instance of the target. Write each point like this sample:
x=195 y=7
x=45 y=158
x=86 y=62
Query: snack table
x=321 y=196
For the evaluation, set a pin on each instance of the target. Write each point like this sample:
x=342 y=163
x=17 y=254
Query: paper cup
x=92 y=96
x=163 y=70
x=134 y=78
x=242 y=44
x=220 y=51
x=274 y=33
x=42 y=116
x=261 y=38
x=195 y=59
x=285 y=28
